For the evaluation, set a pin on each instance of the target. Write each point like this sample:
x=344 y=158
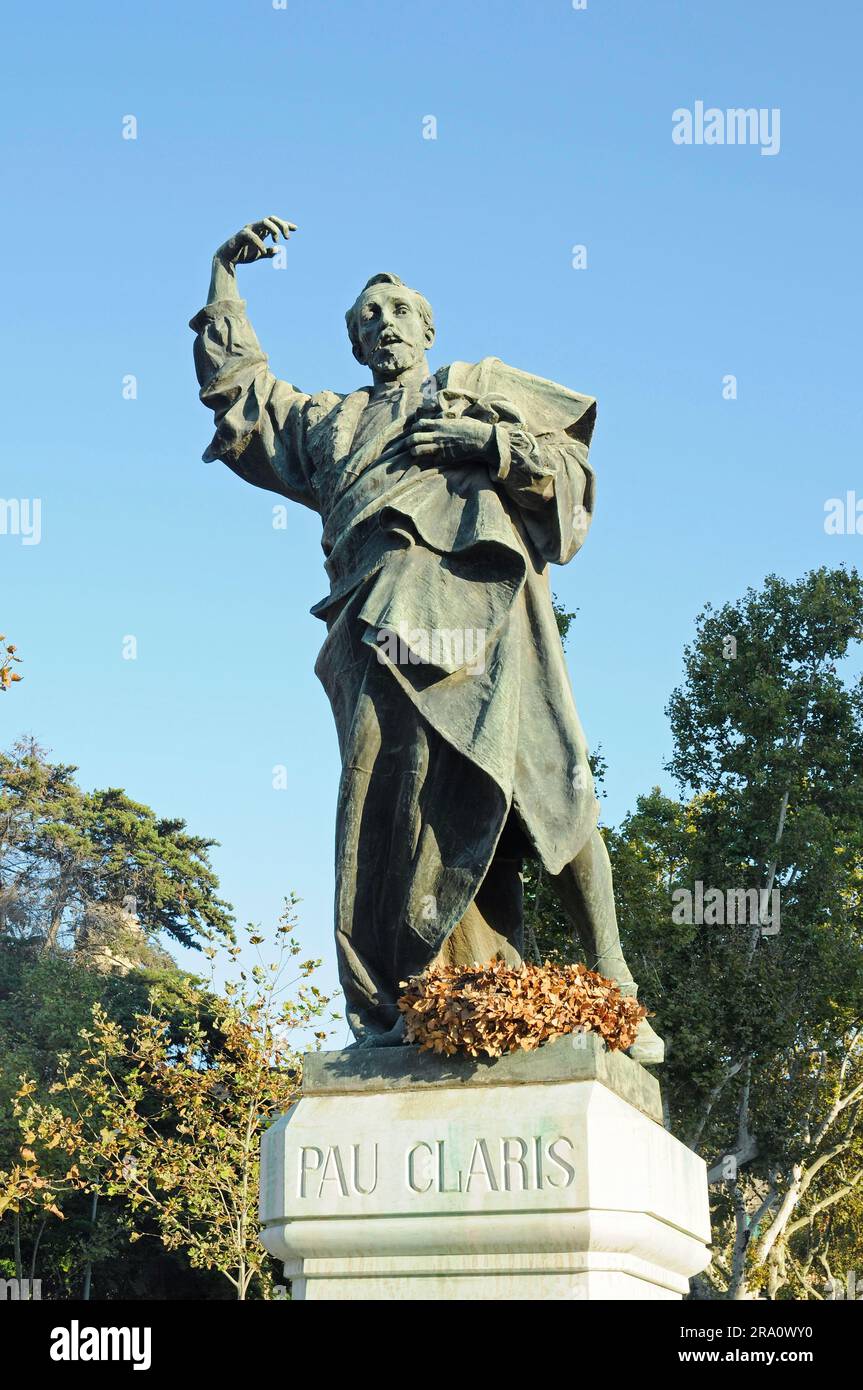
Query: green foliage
x=764 y=1074
x=63 y=850
x=768 y=740
x=564 y=620
x=169 y=1119
x=45 y=1002
x=88 y=882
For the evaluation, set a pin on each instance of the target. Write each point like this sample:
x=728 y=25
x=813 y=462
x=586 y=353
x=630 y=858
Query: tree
x=47 y=1227
x=64 y=851
x=764 y=1074
x=172 y=1124
x=769 y=739
x=88 y=881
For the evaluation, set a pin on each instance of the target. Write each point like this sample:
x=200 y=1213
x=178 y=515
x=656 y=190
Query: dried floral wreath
x=495 y=1008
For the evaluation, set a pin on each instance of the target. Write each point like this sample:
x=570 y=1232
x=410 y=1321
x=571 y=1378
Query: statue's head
x=390 y=326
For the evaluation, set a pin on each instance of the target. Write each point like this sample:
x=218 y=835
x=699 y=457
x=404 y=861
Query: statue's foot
x=392 y=1038
x=648 y=1048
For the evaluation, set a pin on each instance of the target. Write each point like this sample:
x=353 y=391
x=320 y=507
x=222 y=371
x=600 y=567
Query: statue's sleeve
x=549 y=479
x=261 y=422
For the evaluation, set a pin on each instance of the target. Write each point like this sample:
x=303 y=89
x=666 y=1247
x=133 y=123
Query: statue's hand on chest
x=443 y=432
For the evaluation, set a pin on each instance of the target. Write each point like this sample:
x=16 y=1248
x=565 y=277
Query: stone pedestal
x=542 y=1175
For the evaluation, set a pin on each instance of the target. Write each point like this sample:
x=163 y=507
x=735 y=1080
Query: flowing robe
x=461 y=746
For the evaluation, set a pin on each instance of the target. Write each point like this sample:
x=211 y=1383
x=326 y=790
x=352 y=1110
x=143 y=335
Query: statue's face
x=392 y=332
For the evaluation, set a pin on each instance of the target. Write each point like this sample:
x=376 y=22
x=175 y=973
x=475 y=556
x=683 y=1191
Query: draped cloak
x=460 y=741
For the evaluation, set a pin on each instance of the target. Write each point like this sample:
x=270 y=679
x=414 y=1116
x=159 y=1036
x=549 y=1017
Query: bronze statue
x=443 y=498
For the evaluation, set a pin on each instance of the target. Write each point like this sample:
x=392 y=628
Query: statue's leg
x=586 y=892
x=416 y=830
x=492 y=928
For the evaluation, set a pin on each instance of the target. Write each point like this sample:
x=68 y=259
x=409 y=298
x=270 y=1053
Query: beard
x=395 y=358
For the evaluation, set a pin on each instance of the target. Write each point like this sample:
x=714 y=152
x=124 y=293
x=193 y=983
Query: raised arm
x=260 y=421
x=243 y=248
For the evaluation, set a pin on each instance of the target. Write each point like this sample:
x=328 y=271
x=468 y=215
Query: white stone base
x=442 y=1180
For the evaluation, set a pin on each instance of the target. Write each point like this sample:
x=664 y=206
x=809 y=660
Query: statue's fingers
x=401 y=456
x=251 y=236
x=393 y=451
x=272 y=227
x=287 y=227
x=407 y=432
x=423 y=431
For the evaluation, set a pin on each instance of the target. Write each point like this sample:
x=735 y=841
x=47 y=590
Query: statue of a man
x=443 y=498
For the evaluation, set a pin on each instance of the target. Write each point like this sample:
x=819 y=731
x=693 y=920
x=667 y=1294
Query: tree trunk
x=57 y=910
x=35 y=1250
x=737 y=1287
x=19 y=1263
x=88 y=1268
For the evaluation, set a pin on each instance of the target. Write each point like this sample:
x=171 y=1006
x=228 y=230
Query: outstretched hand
x=249 y=243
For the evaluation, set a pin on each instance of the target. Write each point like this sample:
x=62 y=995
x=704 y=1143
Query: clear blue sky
x=554 y=128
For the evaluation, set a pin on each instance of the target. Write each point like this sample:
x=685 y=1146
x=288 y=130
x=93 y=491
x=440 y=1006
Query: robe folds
x=461 y=746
